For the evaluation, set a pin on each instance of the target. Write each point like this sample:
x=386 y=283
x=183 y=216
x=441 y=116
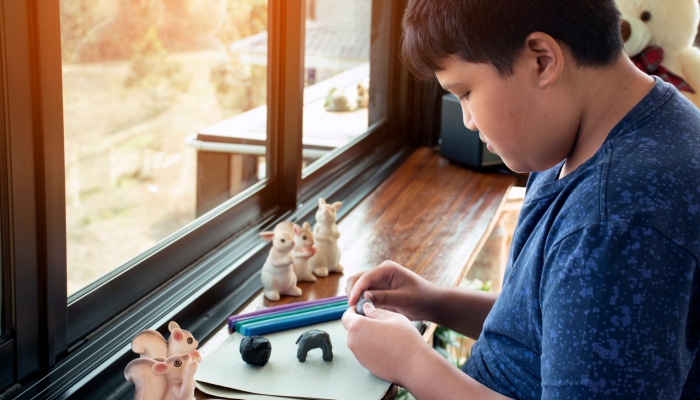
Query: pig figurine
x=151 y=344
x=278 y=272
x=303 y=250
x=169 y=378
x=326 y=235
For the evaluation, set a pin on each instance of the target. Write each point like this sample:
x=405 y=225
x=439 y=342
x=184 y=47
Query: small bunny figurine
x=151 y=344
x=278 y=272
x=326 y=235
x=303 y=250
x=169 y=378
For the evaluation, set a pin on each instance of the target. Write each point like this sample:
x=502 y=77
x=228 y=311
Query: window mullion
x=52 y=176
x=286 y=29
x=20 y=108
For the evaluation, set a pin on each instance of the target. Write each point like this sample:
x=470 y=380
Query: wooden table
x=430 y=216
x=229 y=152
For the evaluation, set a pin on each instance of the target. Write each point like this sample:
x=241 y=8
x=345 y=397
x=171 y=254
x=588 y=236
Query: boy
x=601 y=294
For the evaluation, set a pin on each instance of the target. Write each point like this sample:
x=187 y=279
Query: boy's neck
x=607 y=96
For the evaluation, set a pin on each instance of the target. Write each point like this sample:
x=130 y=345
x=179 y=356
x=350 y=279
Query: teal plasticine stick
x=293 y=316
x=287 y=313
x=293 y=321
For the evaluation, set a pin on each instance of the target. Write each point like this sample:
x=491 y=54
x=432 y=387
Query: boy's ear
x=545 y=53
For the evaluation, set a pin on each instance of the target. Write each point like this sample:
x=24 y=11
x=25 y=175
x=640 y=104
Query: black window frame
x=77 y=348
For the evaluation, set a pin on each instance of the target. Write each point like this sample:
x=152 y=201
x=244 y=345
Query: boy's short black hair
x=494 y=31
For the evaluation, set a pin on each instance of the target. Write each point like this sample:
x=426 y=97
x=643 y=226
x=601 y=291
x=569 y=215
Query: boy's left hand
x=384 y=342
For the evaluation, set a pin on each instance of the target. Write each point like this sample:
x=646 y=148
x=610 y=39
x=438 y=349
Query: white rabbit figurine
x=278 y=272
x=326 y=235
x=303 y=250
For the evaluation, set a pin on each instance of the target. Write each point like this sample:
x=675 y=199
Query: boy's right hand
x=395 y=288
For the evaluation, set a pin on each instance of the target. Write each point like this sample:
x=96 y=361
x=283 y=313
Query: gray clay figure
x=361 y=304
x=312 y=339
x=255 y=350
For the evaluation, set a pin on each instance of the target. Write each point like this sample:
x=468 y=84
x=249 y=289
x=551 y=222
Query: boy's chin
x=514 y=165
x=521 y=166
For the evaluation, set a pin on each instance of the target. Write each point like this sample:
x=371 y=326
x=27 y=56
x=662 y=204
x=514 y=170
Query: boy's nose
x=467 y=119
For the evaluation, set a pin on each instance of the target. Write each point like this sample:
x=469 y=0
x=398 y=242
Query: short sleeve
x=615 y=301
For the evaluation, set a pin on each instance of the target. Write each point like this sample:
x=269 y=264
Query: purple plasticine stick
x=287 y=307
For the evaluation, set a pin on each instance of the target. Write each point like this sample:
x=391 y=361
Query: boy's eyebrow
x=448 y=86
x=451 y=85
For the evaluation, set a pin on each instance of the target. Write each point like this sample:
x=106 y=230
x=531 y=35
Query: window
x=146 y=144
x=139 y=78
x=336 y=75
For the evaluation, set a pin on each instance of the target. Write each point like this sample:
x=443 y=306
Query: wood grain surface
x=430 y=216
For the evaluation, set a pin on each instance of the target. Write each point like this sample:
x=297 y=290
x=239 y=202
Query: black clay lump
x=361 y=304
x=255 y=350
x=312 y=339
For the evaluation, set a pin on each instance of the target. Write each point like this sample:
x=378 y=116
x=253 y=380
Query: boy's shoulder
x=647 y=174
x=651 y=175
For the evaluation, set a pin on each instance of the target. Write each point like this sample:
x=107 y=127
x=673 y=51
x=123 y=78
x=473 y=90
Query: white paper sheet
x=226 y=393
x=341 y=379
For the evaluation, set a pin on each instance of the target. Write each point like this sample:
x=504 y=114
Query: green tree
x=152 y=71
x=239 y=86
x=78 y=18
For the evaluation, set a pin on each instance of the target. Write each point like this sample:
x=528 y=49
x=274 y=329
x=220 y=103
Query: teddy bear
x=659 y=37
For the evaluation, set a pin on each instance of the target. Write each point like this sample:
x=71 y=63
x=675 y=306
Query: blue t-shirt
x=601 y=294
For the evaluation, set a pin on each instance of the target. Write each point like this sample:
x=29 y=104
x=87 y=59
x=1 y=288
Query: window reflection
x=140 y=77
x=337 y=56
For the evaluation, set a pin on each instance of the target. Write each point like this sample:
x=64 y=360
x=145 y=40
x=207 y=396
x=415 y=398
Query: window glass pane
x=337 y=70
x=164 y=119
x=2 y=292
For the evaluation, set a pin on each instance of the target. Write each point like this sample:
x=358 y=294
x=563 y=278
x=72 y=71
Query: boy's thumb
x=376 y=313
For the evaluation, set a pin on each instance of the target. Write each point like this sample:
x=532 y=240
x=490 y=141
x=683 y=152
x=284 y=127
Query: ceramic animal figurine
x=312 y=339
x=151 y=344
x=278 y=271
x=303 y=251
x=326 y=235
x=255 y=350
x=169 y=378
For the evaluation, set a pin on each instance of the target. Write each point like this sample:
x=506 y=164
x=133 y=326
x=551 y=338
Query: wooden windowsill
x=431 y=216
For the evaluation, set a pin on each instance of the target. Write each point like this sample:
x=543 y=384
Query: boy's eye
x=646 y=16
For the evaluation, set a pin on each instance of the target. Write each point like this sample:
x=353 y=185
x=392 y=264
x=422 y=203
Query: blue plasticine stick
x=285 y=317
x=249 y=320
x=286 y=307
x=292 y=322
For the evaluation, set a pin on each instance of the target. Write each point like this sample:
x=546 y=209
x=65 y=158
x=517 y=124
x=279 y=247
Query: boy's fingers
x=375 y=278
x=388 y=298
x=349 y=316
x=351 y=283
x=377 y=313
